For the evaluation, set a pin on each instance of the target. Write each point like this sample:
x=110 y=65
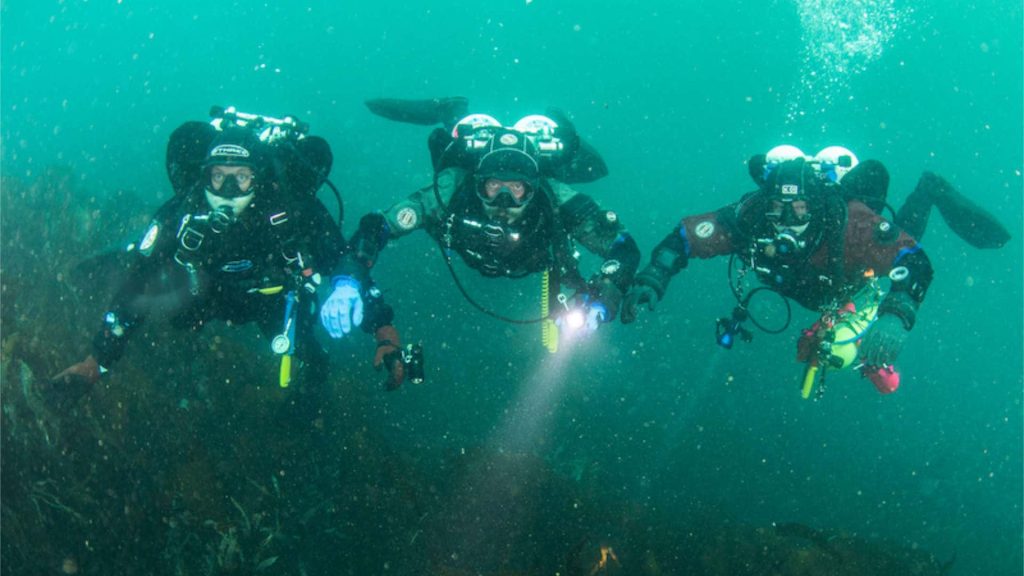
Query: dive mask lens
x=790 y=214
x=231 y=205
x=505 y=193
x=231 y=185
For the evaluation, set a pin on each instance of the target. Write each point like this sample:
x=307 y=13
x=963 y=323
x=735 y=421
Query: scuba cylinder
x=834 y=341
x=848 y=331
x=838 y=336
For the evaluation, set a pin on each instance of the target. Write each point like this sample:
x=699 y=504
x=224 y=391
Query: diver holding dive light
x=495 y=201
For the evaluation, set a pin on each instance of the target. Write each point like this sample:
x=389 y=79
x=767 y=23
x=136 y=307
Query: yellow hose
x=812 y=372
x=286 y=370
x=548 y=328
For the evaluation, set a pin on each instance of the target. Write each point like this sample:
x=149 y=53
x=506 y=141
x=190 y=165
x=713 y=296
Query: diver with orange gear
x=868 y=182
x=806 y=235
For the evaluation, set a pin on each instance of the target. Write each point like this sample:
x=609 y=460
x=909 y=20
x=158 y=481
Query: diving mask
x=504 y=193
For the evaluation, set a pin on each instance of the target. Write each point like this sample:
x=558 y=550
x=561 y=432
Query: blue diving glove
x=343 y=309
x=582 y=319
x=884 y=341
x=596 y=315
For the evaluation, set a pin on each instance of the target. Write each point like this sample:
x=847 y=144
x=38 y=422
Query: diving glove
x=389 y=355
x=343 y=309
x=85 y=372
x=638 y=295
x=597 y=314
x=74 y=382
x=884 y=341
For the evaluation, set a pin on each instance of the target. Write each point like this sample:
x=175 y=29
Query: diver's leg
x=311 y=369
x=445 y=111
x=913 y=215
x=969 y=221
x=313 y=372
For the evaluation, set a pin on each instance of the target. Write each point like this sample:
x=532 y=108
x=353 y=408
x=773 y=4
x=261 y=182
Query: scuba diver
x=576 y=162
x=507 y=217
x=869 y=183
x=813 y=234
x=244 y=239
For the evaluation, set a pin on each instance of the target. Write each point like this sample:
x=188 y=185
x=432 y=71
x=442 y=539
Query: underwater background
x=648 y=439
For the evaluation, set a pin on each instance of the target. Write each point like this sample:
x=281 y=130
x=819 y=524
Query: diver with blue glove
x=244 y=239
x=343 y=309
x=359 y=304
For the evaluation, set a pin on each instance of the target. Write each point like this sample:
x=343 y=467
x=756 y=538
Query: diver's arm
x=151 y=255
x=601 y=232
x=669 y=257
x=376 y=229
x=420 y=210
x=701 y=236
x=370 y=238
x=876 y=244
x=908 y=288
x=887 y=250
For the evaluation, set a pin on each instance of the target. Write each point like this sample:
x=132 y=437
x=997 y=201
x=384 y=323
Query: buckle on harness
x=191 y=239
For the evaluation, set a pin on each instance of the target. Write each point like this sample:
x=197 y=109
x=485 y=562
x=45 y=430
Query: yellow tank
x=849 y=330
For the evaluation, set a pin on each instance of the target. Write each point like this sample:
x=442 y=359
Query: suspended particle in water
x=841 y=39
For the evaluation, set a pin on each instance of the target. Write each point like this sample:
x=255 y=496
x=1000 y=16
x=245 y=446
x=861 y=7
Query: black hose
x=744 y=301
x=480 y=307
x=341 y=204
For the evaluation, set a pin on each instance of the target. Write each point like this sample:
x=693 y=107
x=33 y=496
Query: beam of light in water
x=530 y=416
x=498 y=494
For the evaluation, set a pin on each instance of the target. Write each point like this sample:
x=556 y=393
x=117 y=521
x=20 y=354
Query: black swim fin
x=446 y=111
x=969 y=221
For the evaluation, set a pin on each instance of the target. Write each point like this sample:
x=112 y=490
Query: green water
x=676 y=96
